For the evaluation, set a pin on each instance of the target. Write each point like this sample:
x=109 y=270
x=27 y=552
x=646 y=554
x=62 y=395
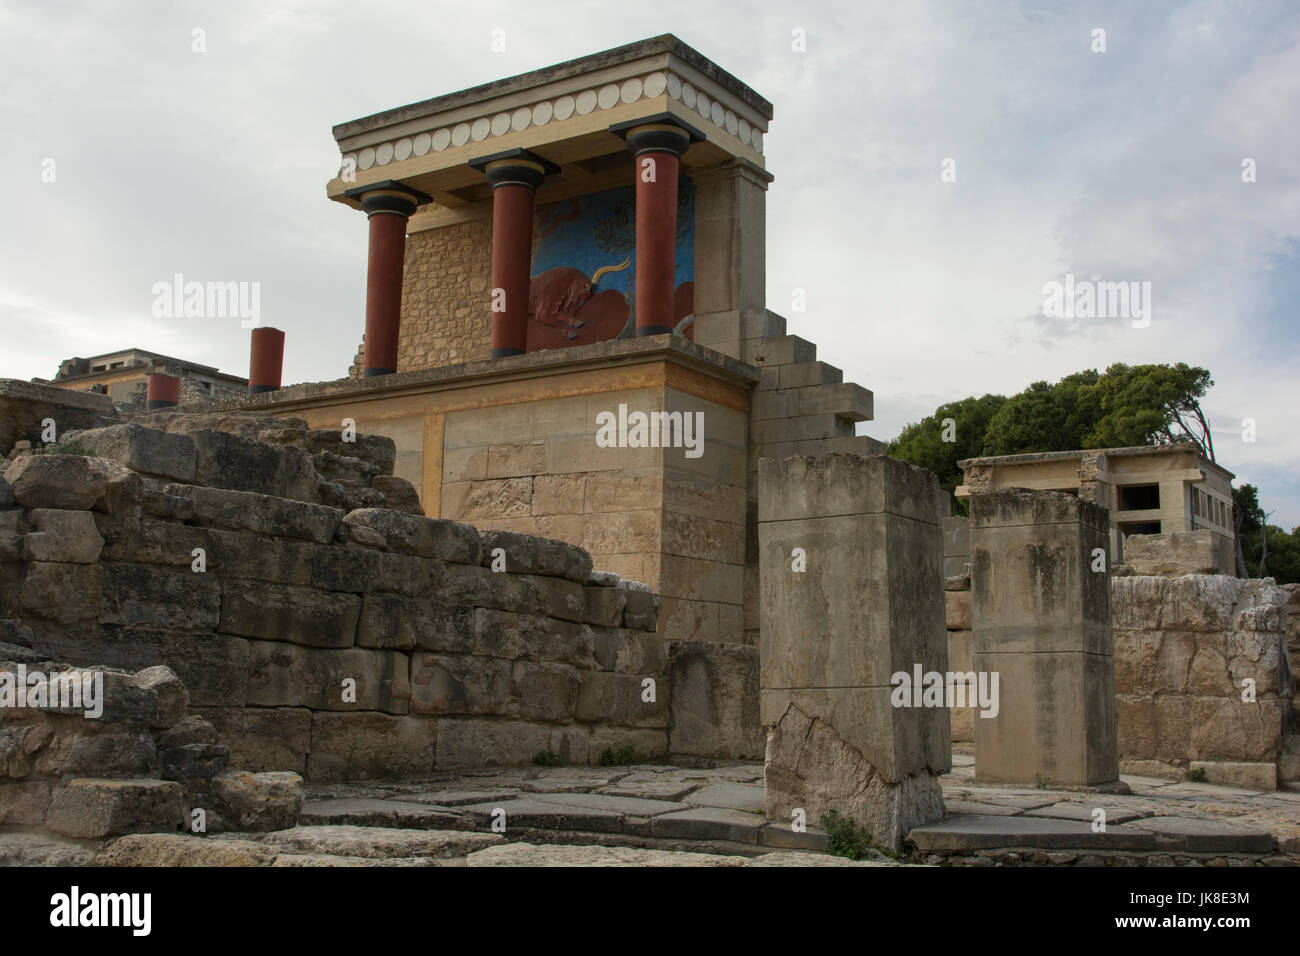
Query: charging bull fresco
x=583 y=286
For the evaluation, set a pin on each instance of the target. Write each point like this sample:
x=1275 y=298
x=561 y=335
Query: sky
x=937 y=165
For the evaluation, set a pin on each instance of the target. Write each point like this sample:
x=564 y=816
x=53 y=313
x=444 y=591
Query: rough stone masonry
x=319 y=621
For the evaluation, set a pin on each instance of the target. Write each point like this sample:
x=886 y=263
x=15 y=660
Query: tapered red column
x=265 y=360
x=657 y=146
x=514 y=176
x=388 y=205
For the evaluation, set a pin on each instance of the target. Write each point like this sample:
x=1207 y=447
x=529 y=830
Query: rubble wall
x=320 y=629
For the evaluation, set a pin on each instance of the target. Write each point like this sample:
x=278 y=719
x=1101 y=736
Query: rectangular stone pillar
x=851 y=592
x=1040 y=583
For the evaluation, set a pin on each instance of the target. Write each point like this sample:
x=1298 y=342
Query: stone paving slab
x=708 y=823
x=783 y=836
x=526 y=854
x=1206 y=836
x=986 y=809
x=631 y=806
x=378 y=842
x=1208 y=790
x=460 y=798
x=532 y=812
x=652 y=787
x=973 y=832
x=381 y=813
x=732 y=796
x=1083 y=813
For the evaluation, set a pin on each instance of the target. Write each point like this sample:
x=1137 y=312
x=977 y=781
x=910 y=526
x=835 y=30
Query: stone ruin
x=270 y=610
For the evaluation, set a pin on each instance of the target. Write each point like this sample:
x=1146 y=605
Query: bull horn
x=603 y=269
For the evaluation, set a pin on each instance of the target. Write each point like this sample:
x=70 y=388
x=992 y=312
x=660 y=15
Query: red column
x=388 y=205
x=658 y=146
x=162 y=391
x=512 y=254
x=656 y=241
x=265 y=360
x=514 y=176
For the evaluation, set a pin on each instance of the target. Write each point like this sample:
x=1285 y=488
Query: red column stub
x=514 y=176
x=658 y=144
x=265 y=360
x=162 y=391
x=387 y=205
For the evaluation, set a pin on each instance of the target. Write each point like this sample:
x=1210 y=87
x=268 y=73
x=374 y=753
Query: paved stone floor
x=656 y=815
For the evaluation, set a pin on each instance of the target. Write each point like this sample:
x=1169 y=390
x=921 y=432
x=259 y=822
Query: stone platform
x=664 y=815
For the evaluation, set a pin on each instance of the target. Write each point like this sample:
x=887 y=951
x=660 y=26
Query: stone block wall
x=1183 y=648
x=317 y=628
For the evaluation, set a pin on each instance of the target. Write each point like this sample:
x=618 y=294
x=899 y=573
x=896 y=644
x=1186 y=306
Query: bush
x=845 y=838
x=547 y=758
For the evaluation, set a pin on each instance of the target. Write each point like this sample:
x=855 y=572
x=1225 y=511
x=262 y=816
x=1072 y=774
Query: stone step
x=778 y=350
x=846 y=400
x=761 y=324
x=966 y=832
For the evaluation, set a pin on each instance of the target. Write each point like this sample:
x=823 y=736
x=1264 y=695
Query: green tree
x=1045 y=417
x=1148 y=405
x=923 y=443
x=1263 y=550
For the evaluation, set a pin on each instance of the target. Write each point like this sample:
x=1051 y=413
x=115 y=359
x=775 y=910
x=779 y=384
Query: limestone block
x=555 y=494
x=276 y=612
x=695 y=537
x=714 y=709
x=480 y=742
x=416 y=535
x=545 y=690
x=230 y=461
x=262 y=513
x=621 y=699
x=24 y=804
x=562 y=599
x=370 y=746
x=258 y=801
x=641 y=607
x=13 y=525
x=404 y=574
x=55 y=481
x=503 y=634
x=265 y=738
x=528 y=554
x=61 y=592
x=130 y=754
x=494 y=498
x=289 y=675
x=479 y=587
x=628 y=652
x=603 y=606
x=135 y=594
x=1172 y=554
x=810 y=767
x=173 y=698
x=144 y=450
x=443 y=684
x=379 y=450
x=399 y=494
x=334 y=568
x=59 y=535
x=90 y=808
x=652 y=744
x=957 y=610
x=1250 y=776
x=962 y=719
x=404 y=623
x=189 y=730
x=623 y=491
x=194 y=765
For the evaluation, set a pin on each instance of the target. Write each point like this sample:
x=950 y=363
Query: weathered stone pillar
x=658 y=143
x=388 y=205
x=1040 y=586
x=162 y=391
x=514 y=176
x=265 y=360
x=868 y=605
